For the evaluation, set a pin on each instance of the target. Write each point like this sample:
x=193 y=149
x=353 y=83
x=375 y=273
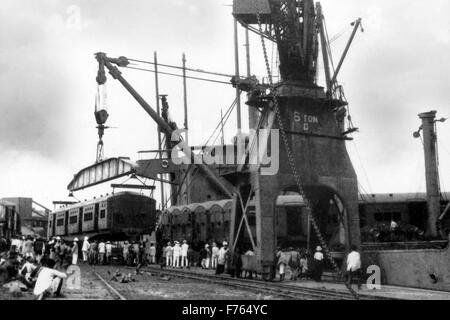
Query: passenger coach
x=125 y=213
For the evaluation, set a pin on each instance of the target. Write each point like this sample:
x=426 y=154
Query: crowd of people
x=210 y=256
x=41 y=265
x=123 y=252
x=33 y=262
x=305 y=265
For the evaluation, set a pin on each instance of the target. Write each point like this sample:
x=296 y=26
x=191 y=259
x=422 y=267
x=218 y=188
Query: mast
x=158 y=110
x=431 y=170
x=238 y=91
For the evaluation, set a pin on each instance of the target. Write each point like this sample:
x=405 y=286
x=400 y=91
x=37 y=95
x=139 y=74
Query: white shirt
x=176 y=250
x=45 y=279
x=17 y=243
x=29 y=267
x=86 y=245
x=152 y=251
x=222 y=253
x=184 y=249
x=318 y=256
x=353 y=261
x=109 y=247
x=101 y=247
x=215 y=251
x=169 y=251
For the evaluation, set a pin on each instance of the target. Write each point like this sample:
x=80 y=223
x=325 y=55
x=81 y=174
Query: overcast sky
x=396 y=69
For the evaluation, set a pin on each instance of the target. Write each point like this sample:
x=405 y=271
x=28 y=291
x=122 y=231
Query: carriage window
x=102 y=214
x=88 y=216
x=251 y=218
x=73 y=219
x=60 y=222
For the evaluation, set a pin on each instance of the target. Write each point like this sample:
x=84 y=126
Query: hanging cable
x=227 y=113
x=362 y=167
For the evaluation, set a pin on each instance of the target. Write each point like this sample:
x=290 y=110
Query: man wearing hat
x=184 y=251
x=168 y=252
x=222 y=258
x=176 y=255
x=75 y=251
x=85 y=248
x=214 y=255
x=318 y=264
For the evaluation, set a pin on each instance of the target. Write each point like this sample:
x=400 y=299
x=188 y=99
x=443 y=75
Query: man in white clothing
x=184 y=250
x=85 y=248
x=152 y=252
x=222 y=258
x=354 y=266
x=48 y=280
x=169 y=254
x=214 y=255
x=176 y=255
x=102 y=252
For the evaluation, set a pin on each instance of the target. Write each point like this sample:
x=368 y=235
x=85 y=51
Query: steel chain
x=292 y=162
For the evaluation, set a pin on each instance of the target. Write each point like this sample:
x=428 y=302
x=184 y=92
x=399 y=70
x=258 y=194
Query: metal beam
x=226 y=188
x=238 y=91
x=344 y=55
x=158 y=110
x=323 y=43
x=132 y=186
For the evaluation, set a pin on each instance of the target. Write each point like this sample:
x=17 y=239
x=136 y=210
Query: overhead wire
x=179 y=75
x=182 y=68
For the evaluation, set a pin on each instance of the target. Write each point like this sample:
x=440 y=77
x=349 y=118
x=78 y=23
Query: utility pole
x=185 y=98
x=238 y=92
x=431 y=170
x=158 y=110
x=247 y=52
x=186 y=126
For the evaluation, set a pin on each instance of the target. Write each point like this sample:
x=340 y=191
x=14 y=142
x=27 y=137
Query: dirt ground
x=147 y=286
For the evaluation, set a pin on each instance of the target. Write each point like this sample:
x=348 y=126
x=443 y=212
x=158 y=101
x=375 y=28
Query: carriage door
x=66 y=223
x=97 y=207
x=80 y=220
x=54 y=224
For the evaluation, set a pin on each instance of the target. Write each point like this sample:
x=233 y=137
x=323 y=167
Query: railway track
x=277 y=289
x=109 y=286
x=285 y=291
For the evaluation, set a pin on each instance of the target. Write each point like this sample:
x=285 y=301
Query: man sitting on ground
x=49 y=281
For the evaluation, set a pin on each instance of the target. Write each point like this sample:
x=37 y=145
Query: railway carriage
x=126 y=213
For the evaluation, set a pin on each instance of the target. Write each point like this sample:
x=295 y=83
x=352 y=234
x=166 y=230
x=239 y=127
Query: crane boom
x=220 y=182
